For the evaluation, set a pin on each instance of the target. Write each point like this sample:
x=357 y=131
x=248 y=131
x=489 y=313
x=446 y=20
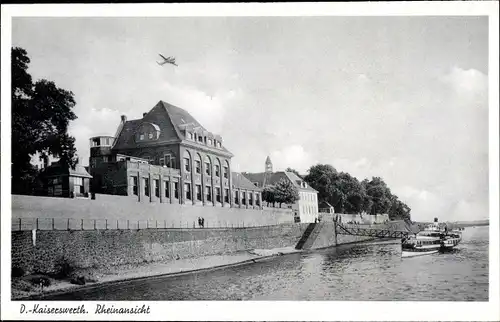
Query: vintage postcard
x=315 y=162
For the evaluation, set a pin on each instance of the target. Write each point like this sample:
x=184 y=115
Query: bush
x=79 y=280
x=40 y=280
x=64 y=268
x=17 y=271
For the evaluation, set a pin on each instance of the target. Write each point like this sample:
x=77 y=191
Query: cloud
x=293 y=156
x=469 y=83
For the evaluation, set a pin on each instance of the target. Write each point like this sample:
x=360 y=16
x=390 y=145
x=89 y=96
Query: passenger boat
x=431 y=240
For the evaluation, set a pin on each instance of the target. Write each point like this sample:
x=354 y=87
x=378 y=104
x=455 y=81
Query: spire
x=269 y=165
x=268 y=172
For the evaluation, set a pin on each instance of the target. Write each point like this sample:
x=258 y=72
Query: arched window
x=197 y=163
x=225 y=171
x=187 y=161
x=208 y=166
x=217 y=167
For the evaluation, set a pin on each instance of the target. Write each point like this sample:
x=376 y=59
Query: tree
x=41 y=113
x=379 y=194
x=294 y=171
x=285 y=192
x=269 y=195
x=321 y=177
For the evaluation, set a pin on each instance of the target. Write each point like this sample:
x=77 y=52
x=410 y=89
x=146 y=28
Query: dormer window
x=190 y=135
x=200 y=139
x=209 y=142
x=141 y=137
x=150 y=135
x=218 y=144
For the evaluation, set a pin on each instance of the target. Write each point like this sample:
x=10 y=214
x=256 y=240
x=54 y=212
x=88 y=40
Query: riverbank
x=24 y=289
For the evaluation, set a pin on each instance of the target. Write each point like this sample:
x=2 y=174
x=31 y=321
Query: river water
x=360 y=272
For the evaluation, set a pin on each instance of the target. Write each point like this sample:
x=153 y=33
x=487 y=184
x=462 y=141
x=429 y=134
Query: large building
x=306 y=208
x=167 y=156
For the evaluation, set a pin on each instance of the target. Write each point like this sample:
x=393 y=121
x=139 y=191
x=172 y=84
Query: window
x=146 y=187
x=162 y=162
x=190 y=135
x=200 y=139
x=208 y=189
x=243 y=198
x=187 y=188
x=150 y=135
x=217 y=170
x=176 y=190
x=218 y=144
x=225 y=172
x=209 y=142
x=207 y=168
x=250 y=199
x=187 y=164
x=78 y=185
x=133 y=182
x=197 y=165
x=141 y=137
x=167 y=189
x=236 y=197
x=217 y=194
x=198 y=192
x=157 y=188
x=168 y=160
x=257 y=200
x=226 y=195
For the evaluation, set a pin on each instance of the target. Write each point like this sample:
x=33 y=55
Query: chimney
x=144 y=114
x=124 y=118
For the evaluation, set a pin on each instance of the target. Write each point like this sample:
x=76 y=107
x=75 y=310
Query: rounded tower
x=100 y=150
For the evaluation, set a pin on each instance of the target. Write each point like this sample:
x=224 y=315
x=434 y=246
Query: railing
x=26 y=224
x=389 y=231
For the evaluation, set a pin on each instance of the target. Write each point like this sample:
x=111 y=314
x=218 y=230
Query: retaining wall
x=84 y=249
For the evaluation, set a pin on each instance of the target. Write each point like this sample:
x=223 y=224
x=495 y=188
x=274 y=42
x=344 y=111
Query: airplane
x=167 y=60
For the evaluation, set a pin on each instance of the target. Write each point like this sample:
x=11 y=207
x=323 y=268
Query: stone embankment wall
x=101 y=248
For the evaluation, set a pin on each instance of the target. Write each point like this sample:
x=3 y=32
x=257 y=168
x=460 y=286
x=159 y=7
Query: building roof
x=323 y=204
x=79 y=171
x=55 y=169
x=241 y=182
x=275 y=177
x=171 y=121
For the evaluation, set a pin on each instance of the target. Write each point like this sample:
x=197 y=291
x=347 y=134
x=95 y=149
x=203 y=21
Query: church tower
x=269 y=165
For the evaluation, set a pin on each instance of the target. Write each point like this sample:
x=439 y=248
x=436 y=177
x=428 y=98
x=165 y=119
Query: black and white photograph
x=185 y=157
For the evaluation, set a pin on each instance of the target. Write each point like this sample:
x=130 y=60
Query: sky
x=402 y=98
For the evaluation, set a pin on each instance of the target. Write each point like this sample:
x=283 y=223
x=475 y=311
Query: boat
x=433 y=239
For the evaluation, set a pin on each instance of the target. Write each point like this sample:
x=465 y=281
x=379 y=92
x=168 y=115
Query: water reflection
x=352 y=272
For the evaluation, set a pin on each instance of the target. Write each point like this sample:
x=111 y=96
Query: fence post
x=95 y=225
x=67 y=225
x=20 y=225
x=156 y=222
x=117 y=224
x=128 y=224
x=36 y=224
x=82 y=224
x=243 y=224
x=147 y=224
x=138 y=225
x=106 y=224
